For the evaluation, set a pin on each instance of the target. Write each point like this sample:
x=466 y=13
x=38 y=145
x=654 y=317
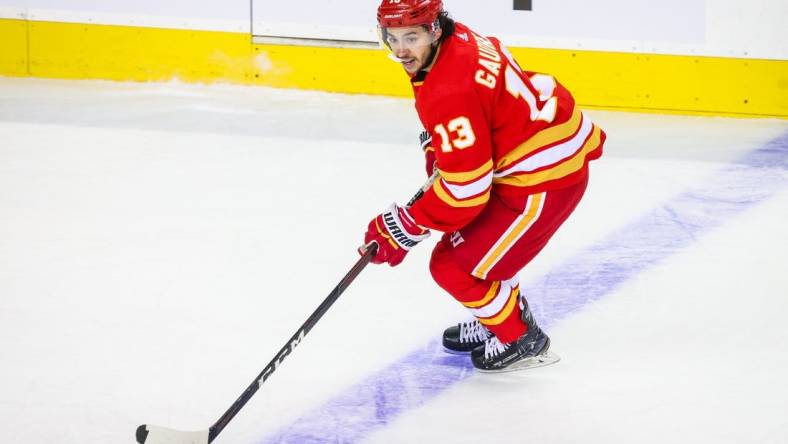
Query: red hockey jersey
x=495 y=129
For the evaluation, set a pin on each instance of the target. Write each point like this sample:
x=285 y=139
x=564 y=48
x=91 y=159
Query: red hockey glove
x=429 y=152
x=396 y=233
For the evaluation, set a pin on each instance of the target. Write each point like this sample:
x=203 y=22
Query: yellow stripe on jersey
x=545 y=137
x=510 y=237
x=491 y=293
x=467 y=176
x=506 y=312
x=451 y=201
x=562 y=169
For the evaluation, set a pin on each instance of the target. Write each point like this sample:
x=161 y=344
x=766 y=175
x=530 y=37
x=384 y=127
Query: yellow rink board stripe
x=13 y=47
x=610 y=80
x=713 y=85
x=79 y=51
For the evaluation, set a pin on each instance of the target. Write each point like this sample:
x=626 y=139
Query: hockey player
x=512 y=152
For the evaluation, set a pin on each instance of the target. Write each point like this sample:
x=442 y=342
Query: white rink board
x=206 y=15
x=725 y=28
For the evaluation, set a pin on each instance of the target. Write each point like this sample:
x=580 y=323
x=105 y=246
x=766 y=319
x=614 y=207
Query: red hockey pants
x=478 y=264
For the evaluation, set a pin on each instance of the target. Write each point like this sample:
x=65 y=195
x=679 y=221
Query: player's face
x=411 y=45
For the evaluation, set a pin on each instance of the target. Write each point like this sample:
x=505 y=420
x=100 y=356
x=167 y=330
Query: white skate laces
x=473 y=331
x=493 y=347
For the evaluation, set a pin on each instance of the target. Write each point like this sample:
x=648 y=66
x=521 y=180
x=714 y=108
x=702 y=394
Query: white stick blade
x=147 y=434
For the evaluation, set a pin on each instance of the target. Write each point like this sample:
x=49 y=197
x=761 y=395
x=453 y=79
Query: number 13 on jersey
x=458 y=134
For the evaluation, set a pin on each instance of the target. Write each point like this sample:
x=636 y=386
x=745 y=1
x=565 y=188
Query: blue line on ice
x=412 y=381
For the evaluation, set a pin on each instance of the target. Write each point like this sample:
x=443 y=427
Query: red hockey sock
x=494 y=303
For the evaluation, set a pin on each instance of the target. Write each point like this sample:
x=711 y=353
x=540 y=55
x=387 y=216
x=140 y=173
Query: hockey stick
x=149 y=434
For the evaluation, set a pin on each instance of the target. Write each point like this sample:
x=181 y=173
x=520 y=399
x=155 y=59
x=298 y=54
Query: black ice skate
x=528 y=351
x=464 y=337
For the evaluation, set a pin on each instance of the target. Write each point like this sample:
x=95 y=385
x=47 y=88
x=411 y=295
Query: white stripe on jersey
x=552 y=155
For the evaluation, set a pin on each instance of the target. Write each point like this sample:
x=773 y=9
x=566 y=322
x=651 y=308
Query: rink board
x=13 y=56
x=613 y=80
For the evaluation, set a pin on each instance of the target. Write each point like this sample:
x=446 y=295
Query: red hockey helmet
x=401 y=13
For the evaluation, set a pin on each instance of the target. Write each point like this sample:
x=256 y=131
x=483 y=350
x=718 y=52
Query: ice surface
x=160 y=242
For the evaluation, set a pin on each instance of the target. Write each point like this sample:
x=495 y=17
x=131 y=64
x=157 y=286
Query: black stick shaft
x=424 y=188
x=369 y=253
x=292 y=343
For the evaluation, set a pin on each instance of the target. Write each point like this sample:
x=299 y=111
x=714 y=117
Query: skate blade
x=546 y=358
x=455 y=352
